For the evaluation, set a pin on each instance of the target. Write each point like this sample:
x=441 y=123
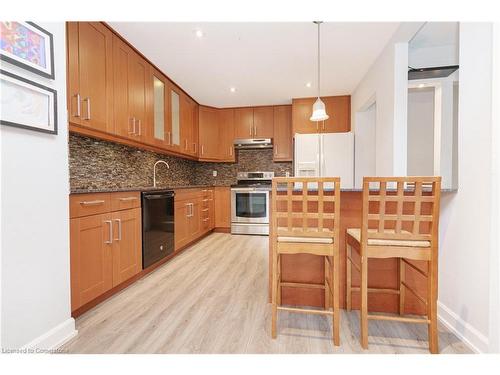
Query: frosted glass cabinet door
x=175 y=112
x=159 y=109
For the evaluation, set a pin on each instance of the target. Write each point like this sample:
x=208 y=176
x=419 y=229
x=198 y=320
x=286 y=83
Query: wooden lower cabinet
x=91 y=258
x=127 y=245
x=194 y=215
x=105 y=248
x=222 y=207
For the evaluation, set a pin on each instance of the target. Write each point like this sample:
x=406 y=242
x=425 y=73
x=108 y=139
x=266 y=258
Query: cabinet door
x=182 y=221
x=91 y=92
x=301 y=112
x=208 y=133
x=138 y=86
x=282 y=141
x=243 y=123
x=123 y=98
x=160 y=132
x=187 y=124
x=263 y=122
x=226 y=132
x=127 y=245
x=91 y=258
x=222 y=207
x=339 y=110
x=175 y=118
x=195 y=220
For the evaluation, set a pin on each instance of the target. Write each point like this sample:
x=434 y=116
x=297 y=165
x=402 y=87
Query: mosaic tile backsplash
x=102 y=165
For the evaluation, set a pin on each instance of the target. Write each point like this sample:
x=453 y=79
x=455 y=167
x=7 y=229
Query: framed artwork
x=27 y=104
x=28 y=46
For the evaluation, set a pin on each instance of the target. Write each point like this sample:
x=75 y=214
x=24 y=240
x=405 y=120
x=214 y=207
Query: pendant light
x=319 y=111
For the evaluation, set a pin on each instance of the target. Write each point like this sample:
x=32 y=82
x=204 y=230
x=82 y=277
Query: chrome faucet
x=154 y=170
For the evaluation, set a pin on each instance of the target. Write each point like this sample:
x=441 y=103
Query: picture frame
x=28 y=46
x=26 y=104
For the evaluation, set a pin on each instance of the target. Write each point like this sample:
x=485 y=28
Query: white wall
x=421 y=131
x=35 y=278
x=465 y=227
x=364 y=151
x=386 y=82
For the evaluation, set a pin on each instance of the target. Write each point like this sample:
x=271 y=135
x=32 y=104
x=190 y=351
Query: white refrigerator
x=325 y=155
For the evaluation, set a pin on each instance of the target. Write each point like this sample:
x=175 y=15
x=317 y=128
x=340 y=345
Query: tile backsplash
x=96 y=164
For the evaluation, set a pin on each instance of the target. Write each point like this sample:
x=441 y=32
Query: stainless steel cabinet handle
x=230 y=151
x=206 y=219
x=202 y=150
x=110 y=231
x=254 y=130
x=189 y=210
x=276 y=150
x=205 y=210
x=140 y=127
x=78 y=106
x=92 y=203
x=186 y=144
x=119 y=230
x=169 y=138
x=128 y=199
x=251 y=130
x=87 y=99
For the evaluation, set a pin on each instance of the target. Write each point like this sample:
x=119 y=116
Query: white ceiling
x=267 y=63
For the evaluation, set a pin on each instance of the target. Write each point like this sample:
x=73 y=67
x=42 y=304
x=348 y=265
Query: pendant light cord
x=319 y=61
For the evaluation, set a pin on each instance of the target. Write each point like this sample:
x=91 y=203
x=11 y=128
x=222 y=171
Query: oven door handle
x=243 y=190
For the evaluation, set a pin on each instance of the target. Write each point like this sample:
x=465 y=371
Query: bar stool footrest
x=399 y=319
x=305 y=311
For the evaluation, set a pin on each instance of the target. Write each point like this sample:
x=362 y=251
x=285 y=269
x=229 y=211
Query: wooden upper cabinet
x=189 y=125
x=226 y=133
x=131 y=84
x=243 y=123
x=159 y=132
x=127 y=244
x=263 y=122
x=339 y=110
x=90 y=75
x=208 y=133
x=282 y=142
x=337 y=107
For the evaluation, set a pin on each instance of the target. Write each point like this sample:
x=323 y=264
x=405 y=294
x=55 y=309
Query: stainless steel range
x=250 y=203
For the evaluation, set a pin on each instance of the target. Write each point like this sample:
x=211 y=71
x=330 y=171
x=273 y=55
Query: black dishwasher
x=157 y=226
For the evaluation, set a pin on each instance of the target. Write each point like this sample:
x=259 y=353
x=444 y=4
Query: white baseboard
x=54 y=338
x=470 y=336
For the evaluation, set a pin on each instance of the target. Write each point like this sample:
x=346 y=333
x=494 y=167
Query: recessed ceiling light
x=308 y=84
x=232 y=89
x=199 y=33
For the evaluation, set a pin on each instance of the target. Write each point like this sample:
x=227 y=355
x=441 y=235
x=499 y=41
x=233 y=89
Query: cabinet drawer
x=187 y=194
x=125 y=200
x=89 y=204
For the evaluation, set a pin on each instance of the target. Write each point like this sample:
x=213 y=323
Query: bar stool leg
x=279 y=281
x=328 y=300
x=364 y=302
x=432 y=305
x=348 y=278
x=402 y=289
x=336 y=297
x=274 y=295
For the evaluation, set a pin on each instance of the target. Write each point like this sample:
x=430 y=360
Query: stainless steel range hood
x=253 y=143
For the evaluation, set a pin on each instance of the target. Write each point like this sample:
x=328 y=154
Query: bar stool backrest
x=401 y=208
x=306 y=207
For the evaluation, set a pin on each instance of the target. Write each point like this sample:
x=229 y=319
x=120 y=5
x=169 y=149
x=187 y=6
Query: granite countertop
x=140 y=188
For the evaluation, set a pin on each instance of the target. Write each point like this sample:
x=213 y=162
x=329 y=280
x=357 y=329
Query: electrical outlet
x=287 y=174
x=214 y=173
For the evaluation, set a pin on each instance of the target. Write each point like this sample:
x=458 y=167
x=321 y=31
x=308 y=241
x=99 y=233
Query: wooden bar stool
x=305 y=220
x=400 y=220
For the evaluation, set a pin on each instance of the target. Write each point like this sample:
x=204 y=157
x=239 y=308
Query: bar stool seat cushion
x=356 y=234
x=322 y=240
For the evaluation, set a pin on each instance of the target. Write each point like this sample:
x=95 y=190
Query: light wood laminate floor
x=213 y=299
